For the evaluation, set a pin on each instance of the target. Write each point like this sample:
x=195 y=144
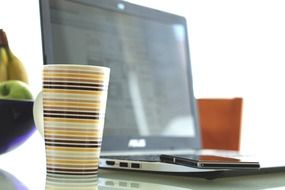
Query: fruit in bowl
x=16 y=114
x=16 y=101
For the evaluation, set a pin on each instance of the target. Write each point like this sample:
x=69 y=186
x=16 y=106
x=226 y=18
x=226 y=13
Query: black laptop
x=151 y=109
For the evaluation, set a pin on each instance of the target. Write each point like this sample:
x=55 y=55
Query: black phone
x=209 y=162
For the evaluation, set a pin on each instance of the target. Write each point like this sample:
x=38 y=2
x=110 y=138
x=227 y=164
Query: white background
x=237 y=50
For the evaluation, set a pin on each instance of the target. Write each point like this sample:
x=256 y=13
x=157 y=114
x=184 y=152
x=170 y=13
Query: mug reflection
x=64 y=182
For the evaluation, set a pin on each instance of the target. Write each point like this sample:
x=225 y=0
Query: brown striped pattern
x=74 y=98
x=65 y=182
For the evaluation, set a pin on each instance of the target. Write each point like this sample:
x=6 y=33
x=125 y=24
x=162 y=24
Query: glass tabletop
x=24 y=169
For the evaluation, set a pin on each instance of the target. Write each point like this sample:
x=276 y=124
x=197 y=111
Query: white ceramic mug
x=70 y=114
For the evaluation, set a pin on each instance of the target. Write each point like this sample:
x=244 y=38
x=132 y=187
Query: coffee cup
x=70 y=113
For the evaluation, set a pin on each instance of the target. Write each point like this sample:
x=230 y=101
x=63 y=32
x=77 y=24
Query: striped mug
x=72 y=105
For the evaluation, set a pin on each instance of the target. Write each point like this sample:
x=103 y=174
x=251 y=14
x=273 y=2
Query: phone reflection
x=10 y=182
x=64 y=182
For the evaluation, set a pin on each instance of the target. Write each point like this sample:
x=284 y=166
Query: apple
x=15 y=90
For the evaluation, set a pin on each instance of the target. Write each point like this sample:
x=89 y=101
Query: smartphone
x=209 y=162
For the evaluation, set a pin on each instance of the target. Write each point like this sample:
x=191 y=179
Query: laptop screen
x=150 y=100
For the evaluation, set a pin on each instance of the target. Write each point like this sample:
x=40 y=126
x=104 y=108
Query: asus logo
x=137 y=143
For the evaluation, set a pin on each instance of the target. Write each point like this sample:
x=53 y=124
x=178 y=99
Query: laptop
x=151 y=108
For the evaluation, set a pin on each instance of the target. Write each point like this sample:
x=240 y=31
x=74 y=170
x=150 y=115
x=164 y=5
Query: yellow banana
x=16 y=69
x=3 y=64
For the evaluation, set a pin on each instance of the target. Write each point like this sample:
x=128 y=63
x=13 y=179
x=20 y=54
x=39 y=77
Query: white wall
x=20 y=21
x=237 y=49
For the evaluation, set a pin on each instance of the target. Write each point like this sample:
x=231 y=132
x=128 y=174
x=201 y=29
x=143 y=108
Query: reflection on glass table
x=24 y=169
x=10 y=182
x=109 y=180
x=64 y=182
x=102 y=183
x=106 y=183
x=126 y=180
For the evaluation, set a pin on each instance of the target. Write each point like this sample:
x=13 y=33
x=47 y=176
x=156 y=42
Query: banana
x=14 y=69
x=3 y=65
